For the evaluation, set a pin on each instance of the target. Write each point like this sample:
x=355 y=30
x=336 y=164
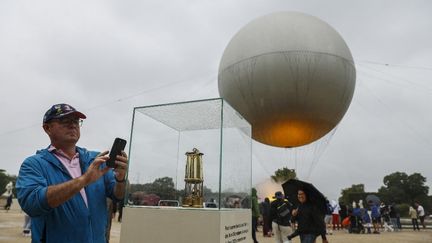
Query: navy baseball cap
x=279 y=194
x=61 y=110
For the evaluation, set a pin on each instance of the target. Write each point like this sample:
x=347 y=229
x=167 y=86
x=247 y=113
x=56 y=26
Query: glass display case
x=189 y=155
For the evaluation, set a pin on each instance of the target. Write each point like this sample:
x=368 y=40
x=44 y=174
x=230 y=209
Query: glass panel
x=163 y=134
x=236 y=156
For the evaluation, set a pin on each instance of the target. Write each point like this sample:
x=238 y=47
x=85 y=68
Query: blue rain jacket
x=72 y=221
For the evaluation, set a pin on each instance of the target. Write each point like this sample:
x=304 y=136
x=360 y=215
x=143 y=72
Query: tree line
x=399 y=188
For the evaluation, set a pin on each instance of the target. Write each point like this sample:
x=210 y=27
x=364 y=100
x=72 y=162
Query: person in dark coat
x=8 y=202
x=280 y=215
x=343 y=212
x=255 y=214
x=310 y=221
x=265 y=212
x=394 y=214
x=120 y=206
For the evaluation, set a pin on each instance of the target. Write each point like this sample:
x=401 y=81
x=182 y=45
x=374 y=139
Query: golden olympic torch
x=193 y=196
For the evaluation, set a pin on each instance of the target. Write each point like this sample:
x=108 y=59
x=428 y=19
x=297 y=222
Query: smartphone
x=118 y=146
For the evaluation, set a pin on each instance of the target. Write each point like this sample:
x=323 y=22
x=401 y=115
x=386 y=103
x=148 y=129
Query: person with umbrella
x=310 y=212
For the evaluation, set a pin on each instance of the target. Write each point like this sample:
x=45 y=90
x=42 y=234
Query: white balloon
x=291 y=75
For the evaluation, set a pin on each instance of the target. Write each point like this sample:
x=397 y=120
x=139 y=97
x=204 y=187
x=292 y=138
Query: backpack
x=283 y=210
x=329 y=209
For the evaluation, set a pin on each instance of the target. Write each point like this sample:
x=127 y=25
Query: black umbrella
x=374 y=199
x=314 y=196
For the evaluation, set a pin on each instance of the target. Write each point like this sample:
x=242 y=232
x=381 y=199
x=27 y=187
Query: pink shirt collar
x=72 y=163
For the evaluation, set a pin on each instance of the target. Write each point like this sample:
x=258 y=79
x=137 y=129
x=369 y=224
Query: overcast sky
x=106 y=57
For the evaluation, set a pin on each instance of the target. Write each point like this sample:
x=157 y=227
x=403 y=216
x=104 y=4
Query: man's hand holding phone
x=121 y=166
x=118 y=159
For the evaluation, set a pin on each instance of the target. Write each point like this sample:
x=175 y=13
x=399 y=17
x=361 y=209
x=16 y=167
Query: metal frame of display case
x=161 y=141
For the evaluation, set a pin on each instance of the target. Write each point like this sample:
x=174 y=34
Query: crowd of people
x=376 y=218
x=383 y=217
x=283 y=221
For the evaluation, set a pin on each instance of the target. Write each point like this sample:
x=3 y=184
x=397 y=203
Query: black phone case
x=118 y=145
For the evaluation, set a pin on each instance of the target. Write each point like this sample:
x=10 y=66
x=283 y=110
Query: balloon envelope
x=290 y=75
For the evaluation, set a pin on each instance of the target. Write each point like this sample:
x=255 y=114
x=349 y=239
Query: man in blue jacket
x=64 y=187
x=376 y=216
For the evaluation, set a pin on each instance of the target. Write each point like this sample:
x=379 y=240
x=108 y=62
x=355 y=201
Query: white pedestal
x=180 y=225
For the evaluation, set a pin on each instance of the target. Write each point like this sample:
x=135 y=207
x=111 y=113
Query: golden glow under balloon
x=290 y=132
